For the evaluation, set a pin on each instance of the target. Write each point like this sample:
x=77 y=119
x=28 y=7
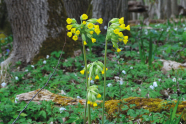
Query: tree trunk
x=108 y=9
x=159 y=8
x=174 y=8
x=168 y=8
x=183 y=3
x=38 y=29
x=75 y=8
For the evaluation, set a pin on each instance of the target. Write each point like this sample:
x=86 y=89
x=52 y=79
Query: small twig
x=44 y=85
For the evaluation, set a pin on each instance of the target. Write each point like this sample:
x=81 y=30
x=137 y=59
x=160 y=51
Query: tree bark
x=108 y=9
x=174 y=8
x=168 y=8
x=38 y=29
x=75 y=8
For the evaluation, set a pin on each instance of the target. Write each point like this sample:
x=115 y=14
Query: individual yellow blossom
x=82 y=71
x=69 y=21
x=102 y=72
x=97 y=77
x=113 y=45
x=122 y=26
x=93 y=40
x=94 y=104
x=96 y=26
x=120 y=39
x=121 y=20
x=120 y=34
x=75 y=37
x=84 y=17
x=91 y=32
x=106 y=69
x=69 y=34
x=128 y=27
x=88 y=102
x=116 y=31
x=118 y=50
x=125 y=41
x=90 y=25
x=73 y=30
x=69 y=27
x=77 y=32
x=84 y=22
x=90 y=78
x=85 y=43
x=100 y=20
x=126 y=37
x=97 y=31
x=98 y=95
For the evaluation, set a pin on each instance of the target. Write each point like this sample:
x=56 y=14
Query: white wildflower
x=78 y=97
x=159 y=79
x=124 y=72
x=92 y=82
x=155 y=84
x=121 y=82
x=16 y=99
x=174 y=79
x=16 y=78
x=176 y=29
x=26 y=70
x=131 y=67
x=109 y=85
x=184 y=29
x=105 y=27
x=151 y=87
x=47 y=56
x=32 y=66
x=44 y=62
x=3 y=84
x=62 y=109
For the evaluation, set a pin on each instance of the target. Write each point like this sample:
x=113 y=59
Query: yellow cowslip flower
x=82 y=71
x=77 y=32
x=97 y=31
x=69 y=27
x=113 y=45
x=118 y=50
x=75 y=37
x=84 y=22
x=100 y=20
x=128 y=27
x=84 y=17
x=116 y=31
x=120 y=34
x=90 y=78
x=125 y=41
x=98 y=95
x=102 y=72
x=69 y=21
x=69 y=34
x=120 y=39
x=90 y=25
x=96 y=26
x=126 y=37
x=106 y=69
x=97 y=77
x=121 y=20
x=73 y=30
x=91 y=32
x=89 y=102
x=122 y=26
x=85 y=43
x=93 y=40
x=95 y=104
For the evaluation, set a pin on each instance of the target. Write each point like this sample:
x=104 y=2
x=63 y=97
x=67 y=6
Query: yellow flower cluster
x=116 y=34
x=94 y=103
x=87 y=26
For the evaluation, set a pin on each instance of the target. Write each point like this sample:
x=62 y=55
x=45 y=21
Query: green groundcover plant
x=126 y=76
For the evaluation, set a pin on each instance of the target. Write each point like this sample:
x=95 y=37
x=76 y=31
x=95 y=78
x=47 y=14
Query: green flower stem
x=103 y=105
x=89 y=119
